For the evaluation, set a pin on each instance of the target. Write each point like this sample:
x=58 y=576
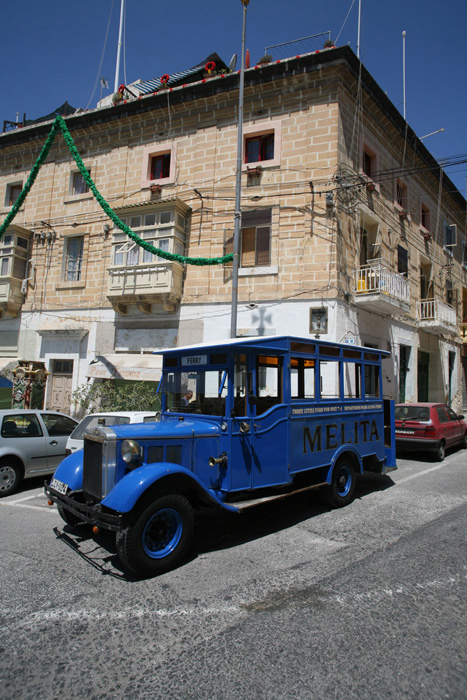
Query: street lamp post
x=238 y=185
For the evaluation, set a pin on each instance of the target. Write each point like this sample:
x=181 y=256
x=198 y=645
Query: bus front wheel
x=158 y=536
x=340 y=492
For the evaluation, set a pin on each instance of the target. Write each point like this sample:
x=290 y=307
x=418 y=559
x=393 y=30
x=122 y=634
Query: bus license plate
x=58 y=486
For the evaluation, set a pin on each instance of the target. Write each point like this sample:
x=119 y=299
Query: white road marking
x=15 y=504
x=27 y=498
x=425 y=471
x=97 y=615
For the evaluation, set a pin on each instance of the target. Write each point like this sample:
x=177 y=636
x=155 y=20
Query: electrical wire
x=99 y=70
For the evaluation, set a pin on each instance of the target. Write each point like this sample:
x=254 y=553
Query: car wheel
x=10 y=477
x=159 y=536
x=464 y=441
x=441 y=451
x=340 y=491
x=69 y=517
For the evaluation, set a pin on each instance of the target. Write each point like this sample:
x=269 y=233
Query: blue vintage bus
x=242 y=421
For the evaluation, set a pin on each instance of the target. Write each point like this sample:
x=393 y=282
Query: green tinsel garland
x=60 y=123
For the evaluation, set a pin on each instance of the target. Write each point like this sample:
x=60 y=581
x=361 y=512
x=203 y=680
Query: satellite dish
x=233 y=63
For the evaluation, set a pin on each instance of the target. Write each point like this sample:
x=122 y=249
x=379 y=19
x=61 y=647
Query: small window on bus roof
x=219 y=359
x=171 y=361
x=302 y=347
x=371 y=356
x=352 y=354
x=329 y=350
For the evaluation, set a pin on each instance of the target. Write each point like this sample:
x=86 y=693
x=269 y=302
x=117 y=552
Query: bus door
x=260 y=423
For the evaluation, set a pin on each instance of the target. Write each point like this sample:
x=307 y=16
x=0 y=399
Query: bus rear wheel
x=158 y=537
x=340 y=492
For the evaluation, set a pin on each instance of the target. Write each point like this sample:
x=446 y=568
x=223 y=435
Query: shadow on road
x=217 y=530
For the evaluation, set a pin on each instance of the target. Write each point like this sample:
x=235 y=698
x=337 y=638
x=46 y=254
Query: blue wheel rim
x=162 y=533
x=344 y=480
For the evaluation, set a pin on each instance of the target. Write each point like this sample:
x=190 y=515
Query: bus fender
x=70 y=471
x=133 y=485
x=345 y=449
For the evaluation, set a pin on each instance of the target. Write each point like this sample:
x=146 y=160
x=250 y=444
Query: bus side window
x=329 y=379
x=268 y=382
x=352 y=380
x=302 y=378
x=240 y=386
x=372 y=382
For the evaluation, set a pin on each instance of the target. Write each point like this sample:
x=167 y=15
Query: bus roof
x=264 y=342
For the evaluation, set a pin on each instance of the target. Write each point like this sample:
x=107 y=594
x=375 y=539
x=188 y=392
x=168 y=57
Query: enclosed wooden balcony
x=435 y=316
x=16 y=270
x=380 y=289
x=145 y=285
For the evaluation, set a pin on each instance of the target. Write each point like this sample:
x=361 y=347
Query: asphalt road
x=290 y=601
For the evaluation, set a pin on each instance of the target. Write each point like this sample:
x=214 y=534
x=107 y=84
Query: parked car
x=93 y=420
x=31 y=443
x=429 y=426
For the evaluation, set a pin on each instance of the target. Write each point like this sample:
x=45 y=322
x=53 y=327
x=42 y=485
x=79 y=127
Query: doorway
x=423 y=374
x=62 y=381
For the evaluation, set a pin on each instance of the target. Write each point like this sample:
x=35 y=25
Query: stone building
x=350 y=229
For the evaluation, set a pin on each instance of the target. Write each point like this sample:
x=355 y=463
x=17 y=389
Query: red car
x=429 y=426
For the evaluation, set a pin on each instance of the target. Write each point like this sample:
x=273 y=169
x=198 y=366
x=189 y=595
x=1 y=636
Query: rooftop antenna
x=359 y=25
x=403 y=72
x=119 y=47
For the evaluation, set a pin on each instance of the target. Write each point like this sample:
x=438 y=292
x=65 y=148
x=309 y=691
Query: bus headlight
x=130 y=452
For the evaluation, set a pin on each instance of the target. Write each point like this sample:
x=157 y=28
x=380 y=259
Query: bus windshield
x=197 y=391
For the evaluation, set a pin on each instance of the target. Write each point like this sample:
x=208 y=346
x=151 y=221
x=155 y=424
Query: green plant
x=116 y=396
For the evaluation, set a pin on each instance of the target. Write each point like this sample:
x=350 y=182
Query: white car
x=87 y=425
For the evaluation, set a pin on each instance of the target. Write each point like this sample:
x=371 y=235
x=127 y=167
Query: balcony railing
x=435 y=314
x=381 y=282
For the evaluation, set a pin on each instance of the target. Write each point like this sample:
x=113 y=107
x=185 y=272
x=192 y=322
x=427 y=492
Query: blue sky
x=51 y=51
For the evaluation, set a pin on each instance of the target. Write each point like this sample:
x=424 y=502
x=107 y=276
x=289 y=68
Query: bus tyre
x=158 y=537
x=70 y=518
x=340 y=492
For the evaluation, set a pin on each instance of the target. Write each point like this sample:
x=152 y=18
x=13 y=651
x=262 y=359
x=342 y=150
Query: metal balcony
x=434 y=316
x=380 y=289
x=144 y=285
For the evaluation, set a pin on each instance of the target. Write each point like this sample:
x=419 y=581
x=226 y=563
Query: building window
x=449 y=293
x=402 y=194
x=73 y=256
x=256 y=239
x=262 y=145
x=259 y=148
x=426 y=281
x=425 y=219
x=160 y=166
x=402 y=261
x=450 y=236
x=13 y=191
x=464 y=255
x=78 y=184
x=368 y=162
x=163 y=229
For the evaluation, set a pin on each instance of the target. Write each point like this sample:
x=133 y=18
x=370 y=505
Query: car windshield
x=421 y=413
x=90 y=422
x=196 y=392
